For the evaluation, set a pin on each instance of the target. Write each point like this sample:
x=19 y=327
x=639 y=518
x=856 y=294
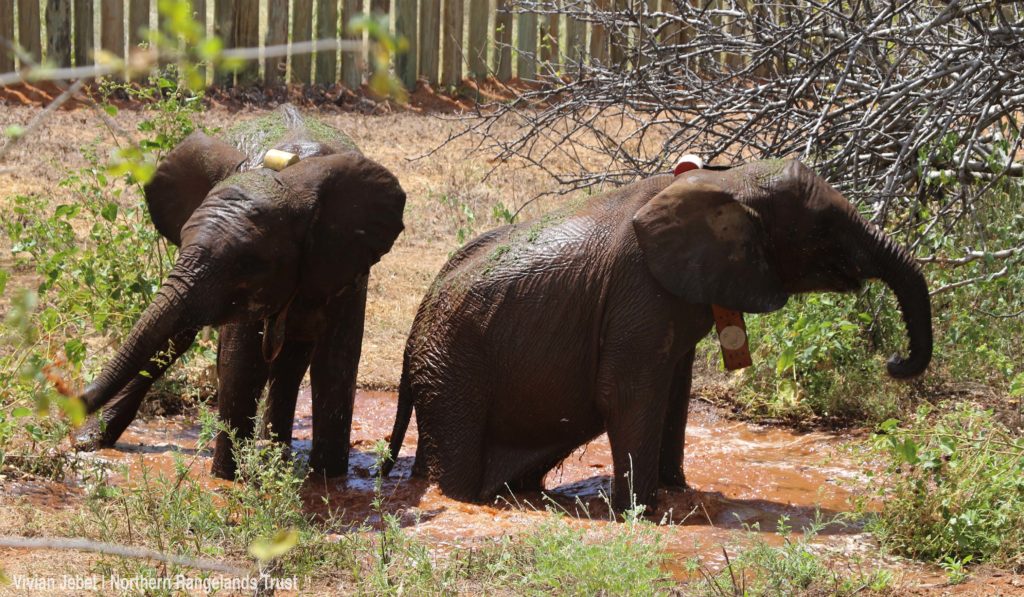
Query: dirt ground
x=774 y=472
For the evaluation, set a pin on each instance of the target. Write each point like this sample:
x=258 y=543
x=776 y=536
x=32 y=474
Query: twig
x=79 y=544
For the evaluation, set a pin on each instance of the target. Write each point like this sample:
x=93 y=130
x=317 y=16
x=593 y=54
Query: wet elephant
x=537 y=337
x=279 y=261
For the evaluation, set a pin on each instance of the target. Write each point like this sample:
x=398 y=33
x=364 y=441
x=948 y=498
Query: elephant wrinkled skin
x=279 y=261
x=537 y=337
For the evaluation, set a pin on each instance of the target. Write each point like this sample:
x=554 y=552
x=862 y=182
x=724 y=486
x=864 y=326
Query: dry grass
x=437 y=186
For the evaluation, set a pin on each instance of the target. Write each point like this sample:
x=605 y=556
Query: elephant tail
x=402 y=418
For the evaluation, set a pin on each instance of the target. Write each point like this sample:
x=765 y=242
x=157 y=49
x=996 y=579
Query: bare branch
x=124 y=551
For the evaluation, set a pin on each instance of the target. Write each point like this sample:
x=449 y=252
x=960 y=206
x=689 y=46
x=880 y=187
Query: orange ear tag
x=732 y=331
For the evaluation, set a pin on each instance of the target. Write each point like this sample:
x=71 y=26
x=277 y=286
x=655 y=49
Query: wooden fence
x=447 y=39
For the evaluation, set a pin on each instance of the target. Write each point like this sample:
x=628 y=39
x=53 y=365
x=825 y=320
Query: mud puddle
x=744 y=478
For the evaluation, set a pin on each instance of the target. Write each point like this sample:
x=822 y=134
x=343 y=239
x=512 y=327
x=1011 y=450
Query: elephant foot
x=329 y=461
x=674 y=480
x=91 y=437
x=224 y=465
x=527 y=483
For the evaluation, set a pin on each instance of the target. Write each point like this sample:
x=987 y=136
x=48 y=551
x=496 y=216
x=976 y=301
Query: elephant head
x=749 y=237
x=254 y=241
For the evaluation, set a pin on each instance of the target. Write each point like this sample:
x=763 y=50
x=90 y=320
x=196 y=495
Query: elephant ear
x=357 y=215
x=705 y=247
x=183 y=179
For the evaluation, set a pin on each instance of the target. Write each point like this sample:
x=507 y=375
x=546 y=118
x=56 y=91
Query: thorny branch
x=910 y=108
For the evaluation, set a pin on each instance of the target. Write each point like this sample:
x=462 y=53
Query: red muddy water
x=743 y=477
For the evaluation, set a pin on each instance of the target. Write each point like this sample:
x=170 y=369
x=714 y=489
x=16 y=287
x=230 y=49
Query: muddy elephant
x=279 y=261
x=537 y=337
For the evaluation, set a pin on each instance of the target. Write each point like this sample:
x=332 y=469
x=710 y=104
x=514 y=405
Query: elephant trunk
x=896 y=267
x=171 y=311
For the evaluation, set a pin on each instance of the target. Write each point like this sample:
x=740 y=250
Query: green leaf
x=109 y=211
x=786 y=360
x=907 y=451
x=20 y=412
x=4 y=276
x=110 y=109
x=1016 y=386
x=274 y=547
x=74 y=349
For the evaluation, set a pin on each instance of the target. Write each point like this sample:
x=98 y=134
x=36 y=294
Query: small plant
x=957 y=489
x=797 y=567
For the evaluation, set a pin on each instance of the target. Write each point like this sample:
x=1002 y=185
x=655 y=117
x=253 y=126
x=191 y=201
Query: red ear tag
x=686 y=163
x=732 y=336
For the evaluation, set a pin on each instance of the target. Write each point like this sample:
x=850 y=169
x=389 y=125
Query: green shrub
x=99 y=261
x=956 y=488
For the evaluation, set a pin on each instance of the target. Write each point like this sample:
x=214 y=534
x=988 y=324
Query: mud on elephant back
x=279 y=261
x=537 y=337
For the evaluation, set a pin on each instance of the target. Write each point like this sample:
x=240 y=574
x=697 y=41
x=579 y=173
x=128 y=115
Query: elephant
x=536 y=337
x=279 y=261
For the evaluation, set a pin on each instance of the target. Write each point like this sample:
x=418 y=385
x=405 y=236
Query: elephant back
x=287 y=129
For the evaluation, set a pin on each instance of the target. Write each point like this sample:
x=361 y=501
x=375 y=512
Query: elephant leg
x=670 y=463
x=285 y=376
x=452 y=450
x=333 y=374
x=634 y=402
x=241 y=376
x=103 y=430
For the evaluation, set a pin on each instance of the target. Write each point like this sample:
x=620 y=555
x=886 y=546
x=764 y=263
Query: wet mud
x=743 y=479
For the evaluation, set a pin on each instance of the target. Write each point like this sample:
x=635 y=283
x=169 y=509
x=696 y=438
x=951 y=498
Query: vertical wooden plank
x=550 y=50
x=247 y=35
x=451 y=48
x=503 y=41
x=6 y=32
x=199 y=14
x=599 y=50
x=138 y=19
x=351 y=62
x=575 y=39
x=28 y=29
x=526 y=46
x=618 y=39
x=274 y=68
x=112 y=27
x=479 y=11
x=302 y=30
x=84 y=32
x=58 y=32
x=430 y=39
x=645 y=31
x=327 y=28
x=405 y=27
x=380 y=9
x=671 y=34
x=224 y=28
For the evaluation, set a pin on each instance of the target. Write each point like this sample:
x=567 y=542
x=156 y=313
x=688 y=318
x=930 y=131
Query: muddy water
x=742 y=477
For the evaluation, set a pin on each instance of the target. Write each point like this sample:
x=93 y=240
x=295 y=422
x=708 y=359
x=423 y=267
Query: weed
x=794 y=568
x=956 y=490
